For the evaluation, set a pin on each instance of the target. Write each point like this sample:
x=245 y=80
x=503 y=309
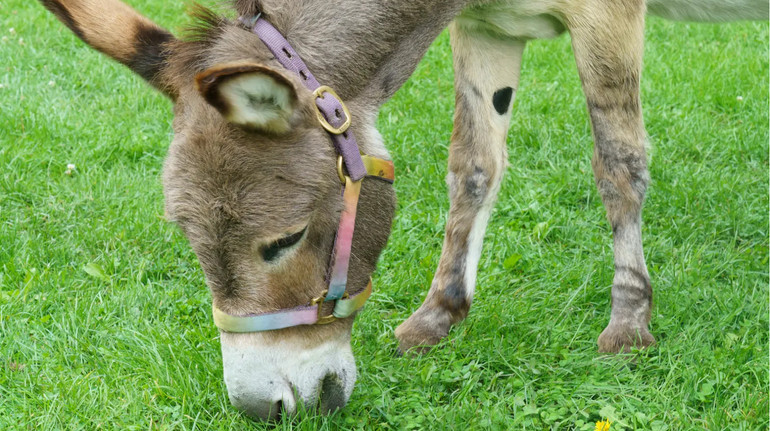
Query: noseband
x=352 y=168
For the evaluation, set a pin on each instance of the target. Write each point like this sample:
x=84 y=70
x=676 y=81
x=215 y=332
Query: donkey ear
x=249 y=95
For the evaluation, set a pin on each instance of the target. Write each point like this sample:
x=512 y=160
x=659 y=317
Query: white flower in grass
x=51 y=83
x=70 y=169
x=21 y=41
x=12 y=30
x=740 y=98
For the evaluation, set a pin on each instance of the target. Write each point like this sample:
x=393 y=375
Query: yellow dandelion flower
x=603 y=426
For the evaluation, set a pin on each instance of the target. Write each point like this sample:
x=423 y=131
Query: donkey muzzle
x=267 y=377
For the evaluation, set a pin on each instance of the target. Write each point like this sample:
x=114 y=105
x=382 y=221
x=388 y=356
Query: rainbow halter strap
x=335 y=119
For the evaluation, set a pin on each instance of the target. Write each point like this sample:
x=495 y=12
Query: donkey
x=265 y=175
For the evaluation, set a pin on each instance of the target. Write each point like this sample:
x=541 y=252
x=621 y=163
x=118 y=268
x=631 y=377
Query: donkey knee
x=471 y=186
x=622 y=178
x=475 y=183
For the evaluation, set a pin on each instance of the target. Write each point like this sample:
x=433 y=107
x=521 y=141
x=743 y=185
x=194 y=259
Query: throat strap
x=340 y=260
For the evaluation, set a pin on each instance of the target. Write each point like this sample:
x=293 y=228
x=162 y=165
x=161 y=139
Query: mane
x=190 y=50
x=247 y=7
x=212 y=35
x=206 y=25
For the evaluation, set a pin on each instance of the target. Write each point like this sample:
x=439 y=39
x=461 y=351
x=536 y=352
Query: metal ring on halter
x=319 y=302
x=340 y=172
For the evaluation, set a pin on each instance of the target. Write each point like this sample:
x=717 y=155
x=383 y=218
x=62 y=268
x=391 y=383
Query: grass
x=104 y=314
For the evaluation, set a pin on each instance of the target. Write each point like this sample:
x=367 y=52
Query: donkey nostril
x=276 y=410
x=332 y=396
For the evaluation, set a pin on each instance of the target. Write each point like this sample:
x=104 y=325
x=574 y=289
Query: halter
x=352 y=167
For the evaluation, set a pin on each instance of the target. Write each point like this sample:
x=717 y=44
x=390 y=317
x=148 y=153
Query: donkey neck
x=365 y=49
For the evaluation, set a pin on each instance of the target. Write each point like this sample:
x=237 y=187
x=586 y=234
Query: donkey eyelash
x=271 y=251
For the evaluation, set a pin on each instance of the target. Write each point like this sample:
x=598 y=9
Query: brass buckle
x=323 y=320
x=318 y=93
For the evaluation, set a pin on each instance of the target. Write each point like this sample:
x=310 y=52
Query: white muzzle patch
x=266 y=377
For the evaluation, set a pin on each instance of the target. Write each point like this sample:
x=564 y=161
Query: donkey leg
x=607 y=39
x=486 y=78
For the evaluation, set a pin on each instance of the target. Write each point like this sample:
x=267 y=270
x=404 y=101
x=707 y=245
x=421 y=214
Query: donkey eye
x=271 y=251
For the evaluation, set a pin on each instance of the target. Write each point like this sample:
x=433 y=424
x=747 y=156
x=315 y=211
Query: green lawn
x=105 y=317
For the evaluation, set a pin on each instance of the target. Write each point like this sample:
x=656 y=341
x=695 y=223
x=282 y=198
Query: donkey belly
x=522 y=19
x=517 y=19
x=709 y=10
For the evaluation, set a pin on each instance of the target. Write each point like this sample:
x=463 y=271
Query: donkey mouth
x=268 y=380
x=259 y=407
x=286 y=402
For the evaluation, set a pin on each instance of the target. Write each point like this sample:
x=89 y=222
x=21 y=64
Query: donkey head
x=251 y=179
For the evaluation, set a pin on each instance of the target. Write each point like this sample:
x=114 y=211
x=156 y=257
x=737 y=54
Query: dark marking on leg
x=455 y=299
x=621 y=175
x=640 y=293
x=502 y=99
x=639 y=275
x=476 y=185
x=476 y=91
x=628 y=105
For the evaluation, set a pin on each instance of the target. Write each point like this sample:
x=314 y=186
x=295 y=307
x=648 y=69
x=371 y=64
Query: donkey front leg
x=486 y=78
x=607 y=39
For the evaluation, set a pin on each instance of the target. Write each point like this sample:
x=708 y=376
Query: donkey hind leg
x=607 y=42
x=486 y=78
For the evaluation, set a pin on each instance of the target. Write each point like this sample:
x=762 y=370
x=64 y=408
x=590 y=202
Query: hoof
x=421 y=331
x=620 y=339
